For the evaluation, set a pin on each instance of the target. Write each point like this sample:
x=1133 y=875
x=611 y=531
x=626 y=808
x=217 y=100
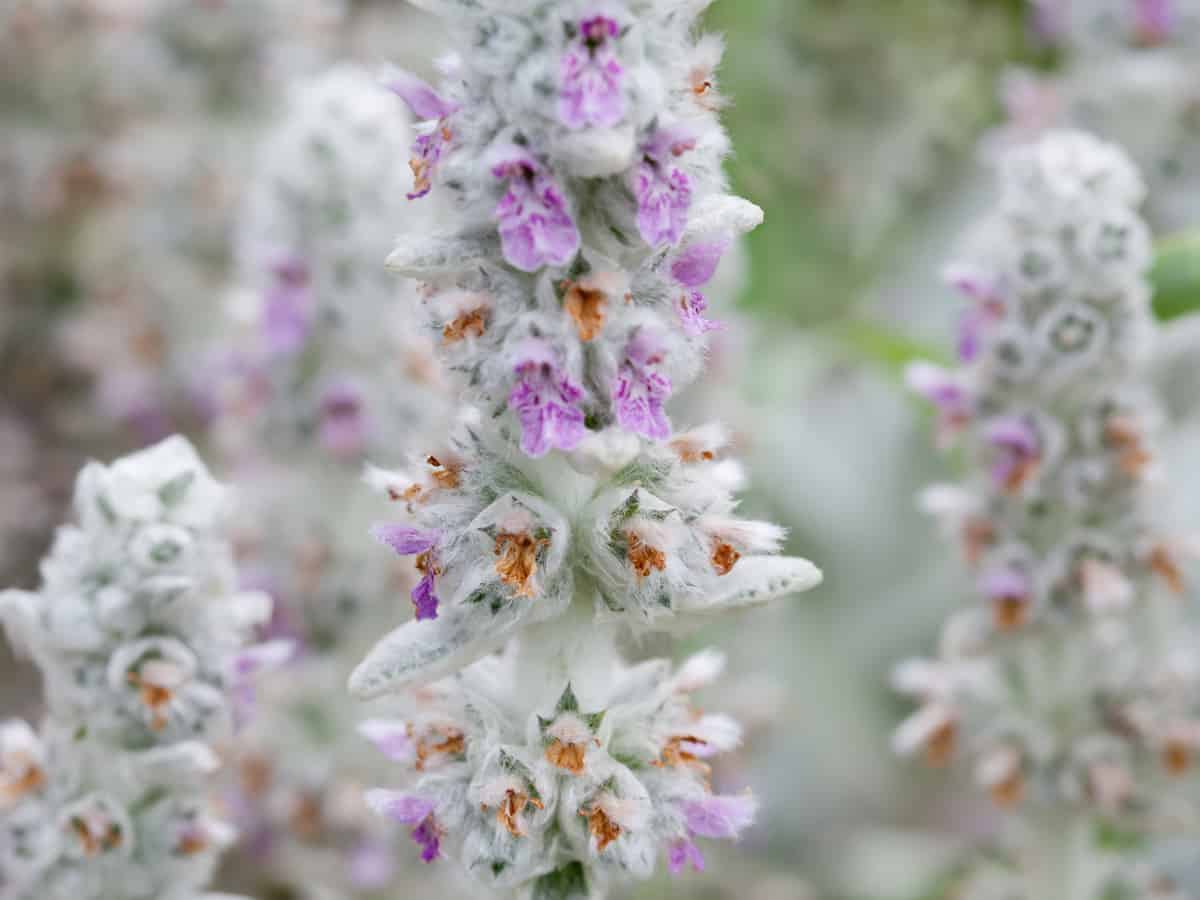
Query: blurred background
x=132 y=136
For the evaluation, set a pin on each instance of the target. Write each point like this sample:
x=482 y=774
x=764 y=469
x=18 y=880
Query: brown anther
x=421 y=175
x=422 y=562
x=689 y=452
x=33 y=779
x=154 y=697
x=149 y=345
x=724 y=557
x=192 y=842
x=1021 y=474
x=587 y=307
x=675 y=756
x=1163 y=564
x=1176 y=757
x=255 y=775
x=113 y=837
x=307 y=817
x=645 y=558
x=453 y=743
x=511 y=807
x=1009 y=791
x=566 y=756
x=1122 y=434
x=1010 y=613
x=603 y=829
x=91 y=846
x=517 y=563
x=940 y=747
x=446 y=476
x=978 y=535
x=469 y=324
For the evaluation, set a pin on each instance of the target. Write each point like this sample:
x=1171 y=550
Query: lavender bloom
x=250 y=663
x=641 y=391
x=954 y=402
x=286 y=320
x=546 y=402
x=426 y=104
x=988 y=307
x=663 y=192
x=722 y=817
x=390 y=738
x=591 y=77
x=535 y=228
x=1017 y=451
x=682 y=853
x=410 y=810
x=343 y=427
x=693 y=269
x=1153 y=20
x=408 y=541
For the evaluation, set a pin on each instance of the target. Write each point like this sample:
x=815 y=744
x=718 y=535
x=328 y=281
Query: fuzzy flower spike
x=1070 y=686
x=567 y=294
x=139 y=635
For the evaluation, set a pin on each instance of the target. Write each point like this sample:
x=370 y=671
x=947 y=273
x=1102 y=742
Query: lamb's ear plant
x=578 y=147
x=140 y=637
x=1071 y=686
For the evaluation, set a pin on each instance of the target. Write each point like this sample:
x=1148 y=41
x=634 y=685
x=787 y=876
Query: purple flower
x=663 y=192
x=955 y=403
x=641 y=390
x=391 y=738
x=988 y=307
x=421 y=542
x=535 y=228
x=248 y=665
x=1003 y=583
x=1009 y=589
x=693 y=268
x=286 y=318
x=720 y=816
x=408 y=809
x=343 y=425
x=429 y=839
x=1016 y=451
x=1153 y=20
x=681 y=853
x=428 y=105
x=546 y=402
x=591 y=77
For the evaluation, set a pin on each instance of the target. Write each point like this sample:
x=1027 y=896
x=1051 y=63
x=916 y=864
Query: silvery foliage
x=318 y=369
x=1070 y=688
x=139 y=633
x=324 y=355
x=1130 y=74
x=578 y=146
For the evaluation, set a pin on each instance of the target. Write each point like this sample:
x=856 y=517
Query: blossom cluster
x=1071 y=684
x=1095 y=24
x=1134 y=82
x=577 y=148
x=315 y=372
x=583 y=787
x=140 y=635
x=323 y=356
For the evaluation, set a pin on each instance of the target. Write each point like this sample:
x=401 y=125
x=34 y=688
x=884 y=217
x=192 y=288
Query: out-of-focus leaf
x=1175 y=276
x=892 y=350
